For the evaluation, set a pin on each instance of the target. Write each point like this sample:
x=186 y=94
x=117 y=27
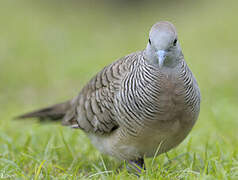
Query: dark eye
x=149 y=41
x=175 y=42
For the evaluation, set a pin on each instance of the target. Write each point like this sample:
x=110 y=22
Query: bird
x=142 y=105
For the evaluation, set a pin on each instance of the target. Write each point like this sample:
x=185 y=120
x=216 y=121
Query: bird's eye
x=175 y=42
x=149 y=41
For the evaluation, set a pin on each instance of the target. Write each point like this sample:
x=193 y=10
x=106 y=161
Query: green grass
x=50 y=49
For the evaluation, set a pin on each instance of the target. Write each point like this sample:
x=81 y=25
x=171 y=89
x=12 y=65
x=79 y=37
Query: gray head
x=163 y=48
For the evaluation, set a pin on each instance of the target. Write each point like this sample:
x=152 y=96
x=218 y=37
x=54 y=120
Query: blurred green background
x=50 y=49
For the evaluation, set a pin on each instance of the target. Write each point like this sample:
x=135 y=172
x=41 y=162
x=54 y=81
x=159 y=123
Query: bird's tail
x=53 y=113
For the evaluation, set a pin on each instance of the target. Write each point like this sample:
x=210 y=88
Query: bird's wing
x=93 y=110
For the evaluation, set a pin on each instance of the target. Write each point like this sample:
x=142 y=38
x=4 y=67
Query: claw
x=136 y=166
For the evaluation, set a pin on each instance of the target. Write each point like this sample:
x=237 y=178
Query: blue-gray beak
x=161 y=55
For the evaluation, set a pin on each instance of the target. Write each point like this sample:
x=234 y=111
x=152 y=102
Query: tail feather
x=54 y=113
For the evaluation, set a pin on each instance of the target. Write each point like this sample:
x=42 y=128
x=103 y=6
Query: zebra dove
x=142 y=105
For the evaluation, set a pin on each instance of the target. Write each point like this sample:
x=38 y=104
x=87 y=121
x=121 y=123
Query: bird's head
x=163 y=47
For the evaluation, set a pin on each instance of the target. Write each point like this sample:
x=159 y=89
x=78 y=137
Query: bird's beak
x=161 y=55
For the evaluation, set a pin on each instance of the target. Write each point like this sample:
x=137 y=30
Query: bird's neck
x=172 y=62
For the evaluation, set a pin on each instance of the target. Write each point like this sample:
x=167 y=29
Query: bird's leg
x=136 y=165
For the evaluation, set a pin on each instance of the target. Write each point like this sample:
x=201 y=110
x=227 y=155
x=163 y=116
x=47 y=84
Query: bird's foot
x=136 y=166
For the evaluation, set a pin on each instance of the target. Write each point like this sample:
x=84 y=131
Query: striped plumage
x=135 y=105
x=147 y=101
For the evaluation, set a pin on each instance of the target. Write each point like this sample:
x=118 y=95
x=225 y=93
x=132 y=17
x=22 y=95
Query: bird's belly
x=150 y=141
